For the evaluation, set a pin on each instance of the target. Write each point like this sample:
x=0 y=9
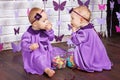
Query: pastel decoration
x=81 y=3
x=16 y=31
x=117 y=28
x=112 y=5
x=28 y=10
x=118 y=15
x=30 y=0
x=58 y=23
x=101 y=6
x=48 y=12
x=69 y=42
x=101 y=20
x=44 y=0
x=1 y=46
x=58 y=6
x=16 y=47
x=92 y=3
x=68 y=10
x=69 y=27
x=59 y=38
x=16 y=13
x=0 y=30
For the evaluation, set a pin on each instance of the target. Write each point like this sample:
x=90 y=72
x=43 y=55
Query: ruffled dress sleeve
x=26 y=42
x=50 y=34
x=79 y=37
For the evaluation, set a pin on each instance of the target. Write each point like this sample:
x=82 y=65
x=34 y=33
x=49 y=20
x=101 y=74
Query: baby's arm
x=50 y=32
x=26 y=43
x=78 y=37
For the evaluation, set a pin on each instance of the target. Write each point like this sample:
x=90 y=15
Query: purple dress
x=89 y=54
x=36 y=61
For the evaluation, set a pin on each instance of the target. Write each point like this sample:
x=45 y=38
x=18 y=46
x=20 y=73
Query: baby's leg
x=49 y=72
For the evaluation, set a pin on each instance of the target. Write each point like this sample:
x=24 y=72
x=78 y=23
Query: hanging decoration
x=118 y=17
x=101 y=20
x=81 y=3
x=92 y=3
x=1 y=46
x=16 y=31
x=0 y=30
x=59 y=7
x=16 y=47
x=16 y=13
x=101 y=6
x=111 y=10
x=69 y=27
x=44 y=2
x=28 y=11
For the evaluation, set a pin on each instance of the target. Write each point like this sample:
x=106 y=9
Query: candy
x=59 y=62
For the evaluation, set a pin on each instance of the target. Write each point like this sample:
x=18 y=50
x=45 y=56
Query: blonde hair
x=32 y=13
x=84 y=11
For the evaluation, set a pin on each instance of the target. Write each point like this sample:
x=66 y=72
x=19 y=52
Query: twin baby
x=89 y=53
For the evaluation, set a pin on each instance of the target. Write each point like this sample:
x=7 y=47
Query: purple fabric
x=36 y=61
x=89 y=54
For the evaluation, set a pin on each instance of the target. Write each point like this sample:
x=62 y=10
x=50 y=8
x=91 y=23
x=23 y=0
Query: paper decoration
x=58 y=23
x=118 y=15
x=0 y=29
x=16 y=47
x=81 y=3
x=101 y=6
x=69 y=42
x=16 y=13
x=111 y=5
x=92 y=3
x=48 y=12
x=44 y=0
x=59 y=38
x=117 y=28
x=16 y=31
x=111 y=9
x=1 y=46
x=101 y=21
x=69 y=27
x=28 y=11
x=30 y=0
x=59 y=6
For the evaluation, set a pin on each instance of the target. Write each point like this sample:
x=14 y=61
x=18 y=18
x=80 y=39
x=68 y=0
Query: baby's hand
x=48 y=26
x=34 y=46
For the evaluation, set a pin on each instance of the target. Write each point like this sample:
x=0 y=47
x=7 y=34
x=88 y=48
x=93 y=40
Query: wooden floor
x=11 y=66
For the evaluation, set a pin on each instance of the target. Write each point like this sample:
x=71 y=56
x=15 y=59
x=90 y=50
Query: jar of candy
x=59 y=61
x=70 y=54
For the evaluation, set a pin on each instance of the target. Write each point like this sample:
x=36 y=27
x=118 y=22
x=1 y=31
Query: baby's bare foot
x=49 y=72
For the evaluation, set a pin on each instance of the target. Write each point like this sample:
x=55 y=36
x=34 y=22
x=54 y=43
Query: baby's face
x=75 y=20
x=43 y=22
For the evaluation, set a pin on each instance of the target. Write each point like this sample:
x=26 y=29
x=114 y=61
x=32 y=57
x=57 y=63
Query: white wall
x=13 y=14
